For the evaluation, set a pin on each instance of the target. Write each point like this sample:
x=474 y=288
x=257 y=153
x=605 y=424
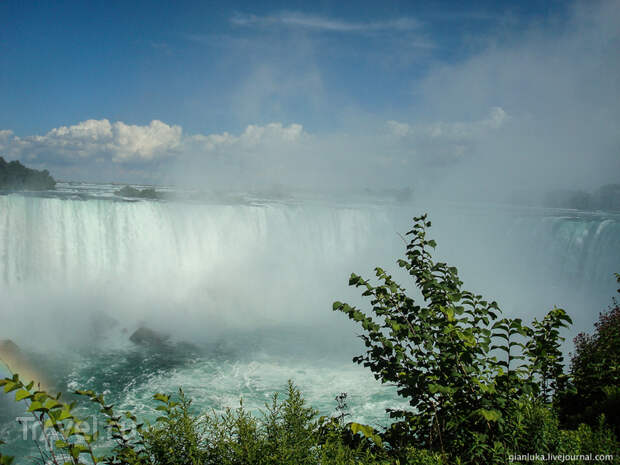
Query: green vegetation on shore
x=482 y=389
x=606 y=197
x=15 y=176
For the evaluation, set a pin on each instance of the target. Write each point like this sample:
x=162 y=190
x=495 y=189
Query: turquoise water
x=214 y=376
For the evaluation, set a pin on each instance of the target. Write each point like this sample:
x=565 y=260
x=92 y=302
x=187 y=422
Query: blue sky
x=263 y=93
x=186 y=62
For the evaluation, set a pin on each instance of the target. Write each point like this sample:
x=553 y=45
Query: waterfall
x=248 y=265
x=171 y=263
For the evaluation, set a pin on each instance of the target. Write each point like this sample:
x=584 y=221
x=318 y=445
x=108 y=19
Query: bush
x=178 y=437
x=287 y=433
x=595 y=372
x=465 y=371
x=587 y=440
x=539 y=434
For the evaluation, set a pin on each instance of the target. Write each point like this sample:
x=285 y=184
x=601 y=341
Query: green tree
x=15 y=176
x=464 y=370
x=595 y=373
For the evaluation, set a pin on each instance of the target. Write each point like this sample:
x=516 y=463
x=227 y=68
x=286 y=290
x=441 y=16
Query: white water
x=174 y=264
x=194 y=268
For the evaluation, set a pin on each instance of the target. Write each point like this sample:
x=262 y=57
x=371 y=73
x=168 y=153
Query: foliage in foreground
x=287 y=433
x=465 y=370
x=470 y=375
x=595 y=372
x=483 y=389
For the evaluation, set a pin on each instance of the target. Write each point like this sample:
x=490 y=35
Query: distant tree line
x=15 y=176
x=604 y=198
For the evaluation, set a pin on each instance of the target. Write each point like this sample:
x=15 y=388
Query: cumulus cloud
x=130 y=143
x=252 y=138
x=146 y=142
x=97 y=138
x=119 y=143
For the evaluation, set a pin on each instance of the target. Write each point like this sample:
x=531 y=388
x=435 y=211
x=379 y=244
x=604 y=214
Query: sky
x=473 y=98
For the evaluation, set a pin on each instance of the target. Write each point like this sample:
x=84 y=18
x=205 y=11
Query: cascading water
x=251 y=286
x=219 y=264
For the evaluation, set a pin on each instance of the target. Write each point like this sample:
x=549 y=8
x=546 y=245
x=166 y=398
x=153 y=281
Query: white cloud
x=453 y=130
x=445 y=142
x=253 y=137
x=321 y=23
x=146 y=142
x=122 y=143
x=90 y=130
x=96 y=138
x=5 y=134
x=272 y=132
x=398 y=129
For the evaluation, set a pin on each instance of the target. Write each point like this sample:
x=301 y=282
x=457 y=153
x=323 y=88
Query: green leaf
x=366 y=431
x=60 y=444
x=52 y=403
x=161 y=397
x=21 y=395
x=35 y=406
x=449 y=312
x=490 y=415
x=6 y=460
x=11 y=386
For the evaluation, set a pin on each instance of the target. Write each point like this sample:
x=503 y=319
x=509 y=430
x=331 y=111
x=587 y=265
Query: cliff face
x=15 y=176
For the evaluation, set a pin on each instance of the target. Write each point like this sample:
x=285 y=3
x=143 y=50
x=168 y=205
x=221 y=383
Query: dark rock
x=148 y=193
x=147 y=337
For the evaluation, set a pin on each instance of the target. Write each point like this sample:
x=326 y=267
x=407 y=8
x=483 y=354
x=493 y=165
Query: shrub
x=588 y=440
x=443 y=356
x=287 y=433
x=595 y=372
x=178 y=437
